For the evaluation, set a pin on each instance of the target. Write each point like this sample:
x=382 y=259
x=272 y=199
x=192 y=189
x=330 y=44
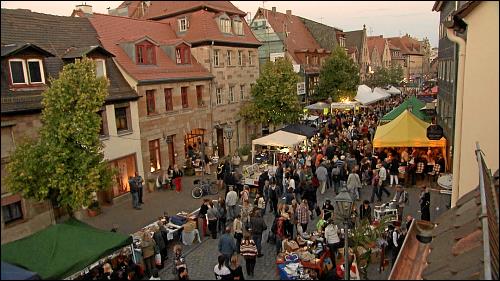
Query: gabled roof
x=112 y=29
x=325 y=35
x=297 y=36
x=376 y=42
x=84 y=51
x=164 y=9
x=12 y=49
x=203 y=27
x=408 y=45
x=59 y=36
x=354 y=39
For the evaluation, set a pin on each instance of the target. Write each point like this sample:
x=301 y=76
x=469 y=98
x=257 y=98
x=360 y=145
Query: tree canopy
x=382 y=77
x=66 y=163
x=338 y=78
x=274 y=96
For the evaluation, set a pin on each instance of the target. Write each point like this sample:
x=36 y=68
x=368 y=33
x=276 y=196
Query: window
x=178 y=56
x=26 y=71
x=307 y=60
x=199 y=95
x=100 y=68
x=184 y=97
x=169 y=105
x=104 y=124
x=238 y=27
x=242 y=92
x=229 y=58
x=183 y=24
x=12 y=212
x=240 y=58
x=122 y=116
x=216 y=57
x=145 y=53
x=150 y=101
x=225 y=25
x=183 y=55
x=218 y=94
x=154 y=155
x=231 y=94
x=250 y=59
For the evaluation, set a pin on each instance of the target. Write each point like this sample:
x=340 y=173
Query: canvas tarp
x=318 y=106
x=278 y=138
x=300 y=129
x=393 y=91
x=414 y=103
x=405 y=131
x=12 y=272
x=63 y=249
x=365 y=95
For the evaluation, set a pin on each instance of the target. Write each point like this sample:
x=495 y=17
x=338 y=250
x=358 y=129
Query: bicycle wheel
x=213 y=189
x=196 y=193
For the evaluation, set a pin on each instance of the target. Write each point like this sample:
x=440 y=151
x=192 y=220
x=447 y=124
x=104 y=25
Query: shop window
x=169 y=105
x=12 y=212
x=154 y=155
x=150 y=101
x=184 y=97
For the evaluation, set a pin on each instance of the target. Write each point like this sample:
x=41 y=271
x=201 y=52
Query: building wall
x=226 y=113
x=481 y=94
x=36 y=215
x=414 y=65
x=386 y=56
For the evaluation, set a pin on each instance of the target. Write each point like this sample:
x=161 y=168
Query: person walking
x=257 y=227
x=220 y=174
x=353 y=184
x=322 y=175
x=425 y=204
x=231 y=201
x=160 y=242
x=202 y=214
x=222 y=214
x=303 y=216
x=212 y=215
x=265 y=195
x=221 y=271
x=401 y=199
x=177 y=178
x=134 y=192
x=148 y=253
x=139 y=181
x=383 y=179
x=235 y=268
x=365 y=211
x=261 y=204
x=179 y=260
x=249 y=251
x=226 y=245
x=273 y=196
x=376 y=187
x=238 y=232
x=332 y=239
x=394 y=170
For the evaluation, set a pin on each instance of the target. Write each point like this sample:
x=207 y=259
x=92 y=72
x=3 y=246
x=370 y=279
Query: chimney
x=289 y=12
x=381 y=36
x=86 y=9
x=274 y=9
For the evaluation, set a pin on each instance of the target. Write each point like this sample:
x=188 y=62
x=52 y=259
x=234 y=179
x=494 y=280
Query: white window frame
x=242 y=92
x=228 y=53
x=40 y=65
x=178 y=56
x=181 y=27
x=216 y=57
x=104 y=73
x=225 y=25
x=238 y=27
x=231 y=94
x=25 y=72
x=240 y=58
x=218 y=96
x=250 y=59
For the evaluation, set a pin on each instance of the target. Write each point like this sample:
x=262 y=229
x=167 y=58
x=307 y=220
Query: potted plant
x=94 y=208
x=244 y=152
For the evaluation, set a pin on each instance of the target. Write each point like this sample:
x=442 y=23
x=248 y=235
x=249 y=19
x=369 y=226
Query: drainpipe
x=211 y=88
x=458 y=114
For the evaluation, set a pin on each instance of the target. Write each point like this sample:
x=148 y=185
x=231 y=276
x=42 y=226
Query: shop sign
x=301 y=88
x=434 y=132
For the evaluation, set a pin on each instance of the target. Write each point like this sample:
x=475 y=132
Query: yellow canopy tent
x=405 y=131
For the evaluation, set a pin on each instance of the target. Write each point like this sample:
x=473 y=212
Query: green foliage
x=385 y=76
x=245 y=150
x=66 y=164
x=274 y=96
x=338 y=78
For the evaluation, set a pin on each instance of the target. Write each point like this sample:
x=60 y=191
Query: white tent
x=318 y=106
x=394 y=91
x=365 y=95
x=279 y=138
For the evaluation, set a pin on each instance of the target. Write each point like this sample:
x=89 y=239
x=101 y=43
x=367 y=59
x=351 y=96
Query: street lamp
x=343 y=206
x=229 y=135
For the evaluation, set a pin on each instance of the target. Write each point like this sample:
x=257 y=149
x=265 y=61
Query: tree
x=66 y=163
x=385 y=76
x=274 y=96
x=338 y=78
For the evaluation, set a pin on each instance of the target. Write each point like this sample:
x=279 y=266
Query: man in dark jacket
x=310 y=196
x=134 y=190
x=257 y=227
x=365 y=211
x=160 y=242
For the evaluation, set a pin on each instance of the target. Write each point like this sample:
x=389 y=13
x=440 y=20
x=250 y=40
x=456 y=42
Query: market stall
x=278 y=139
x=412 y=104
x=366 y=96
x=344 y=105
x=393 y=91
x=62 y=250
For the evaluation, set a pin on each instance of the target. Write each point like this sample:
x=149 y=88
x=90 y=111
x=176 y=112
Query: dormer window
x=183 y=24
x=225 y=25
x=100 y=69
x=182 y=54
x=238 y=27
x=145 y=53
x=26 y=71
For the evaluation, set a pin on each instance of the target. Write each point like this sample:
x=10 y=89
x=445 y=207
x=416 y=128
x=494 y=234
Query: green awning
x=63 y=249
x=413 y=104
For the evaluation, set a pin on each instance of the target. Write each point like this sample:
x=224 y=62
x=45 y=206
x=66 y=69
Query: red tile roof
x=158 y=9
x=299 y=37
x=114 y=29
x=408 y=45
x=203 y=27
x=376 y=41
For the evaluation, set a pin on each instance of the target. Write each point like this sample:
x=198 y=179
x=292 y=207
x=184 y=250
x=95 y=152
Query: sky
x=388 y=18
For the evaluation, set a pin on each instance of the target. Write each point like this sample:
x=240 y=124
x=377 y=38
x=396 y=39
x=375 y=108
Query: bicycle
x=202 y=188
